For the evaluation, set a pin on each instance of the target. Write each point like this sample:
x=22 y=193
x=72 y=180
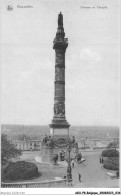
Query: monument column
x=59 y=125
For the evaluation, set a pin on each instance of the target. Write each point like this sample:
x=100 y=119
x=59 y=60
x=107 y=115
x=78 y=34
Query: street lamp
x=69 y=169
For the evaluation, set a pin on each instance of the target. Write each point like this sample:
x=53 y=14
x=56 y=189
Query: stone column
x=60 y=43
x=59 y=96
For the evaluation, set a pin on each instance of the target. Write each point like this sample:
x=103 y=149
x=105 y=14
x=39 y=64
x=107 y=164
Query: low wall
x=43 y=184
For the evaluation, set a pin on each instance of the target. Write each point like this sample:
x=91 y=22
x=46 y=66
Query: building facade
x=27 y=145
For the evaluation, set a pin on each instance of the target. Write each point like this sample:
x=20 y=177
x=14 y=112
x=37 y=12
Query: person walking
x=117 y=174
x=73 y=164
x=79 y=177
x=64 y=177
x=102 y=160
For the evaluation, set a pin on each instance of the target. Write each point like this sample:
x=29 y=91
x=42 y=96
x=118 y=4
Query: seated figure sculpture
x=45 y=139
x=50 y=143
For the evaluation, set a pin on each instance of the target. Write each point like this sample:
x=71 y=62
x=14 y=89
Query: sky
x=92 y=61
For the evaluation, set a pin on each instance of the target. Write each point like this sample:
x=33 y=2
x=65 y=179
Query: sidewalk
x=99 y=184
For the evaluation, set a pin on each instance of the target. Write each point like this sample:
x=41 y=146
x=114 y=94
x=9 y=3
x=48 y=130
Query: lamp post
x=69 y=169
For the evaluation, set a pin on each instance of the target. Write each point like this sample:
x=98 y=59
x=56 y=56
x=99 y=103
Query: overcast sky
x=92 y=61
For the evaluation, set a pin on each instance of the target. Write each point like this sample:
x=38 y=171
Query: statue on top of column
x=60 y=19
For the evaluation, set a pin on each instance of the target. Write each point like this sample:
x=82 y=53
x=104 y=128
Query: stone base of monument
x=46 y=154
x=58 y=131
x=59 y=126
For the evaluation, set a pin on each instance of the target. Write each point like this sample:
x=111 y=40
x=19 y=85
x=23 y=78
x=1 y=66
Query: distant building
x=27 y=144
x=101 y=145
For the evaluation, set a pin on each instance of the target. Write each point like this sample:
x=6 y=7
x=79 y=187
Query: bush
x=2 y=174
x=110 y=153
x=111 y=163
x=21 y=170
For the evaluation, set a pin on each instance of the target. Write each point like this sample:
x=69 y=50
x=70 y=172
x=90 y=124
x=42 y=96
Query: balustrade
x=43 y=184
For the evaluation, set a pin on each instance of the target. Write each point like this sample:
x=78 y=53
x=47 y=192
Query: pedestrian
x=79 y=177
x=73 y=164
x=102 y=160
x=64 y=177
x=117 y=174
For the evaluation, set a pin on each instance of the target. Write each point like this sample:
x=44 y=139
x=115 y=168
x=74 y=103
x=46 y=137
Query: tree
x=112 y=145
x=8 y=150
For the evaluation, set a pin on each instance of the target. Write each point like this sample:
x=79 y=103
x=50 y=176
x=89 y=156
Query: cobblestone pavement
x=92 y=172
x=99 y=184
